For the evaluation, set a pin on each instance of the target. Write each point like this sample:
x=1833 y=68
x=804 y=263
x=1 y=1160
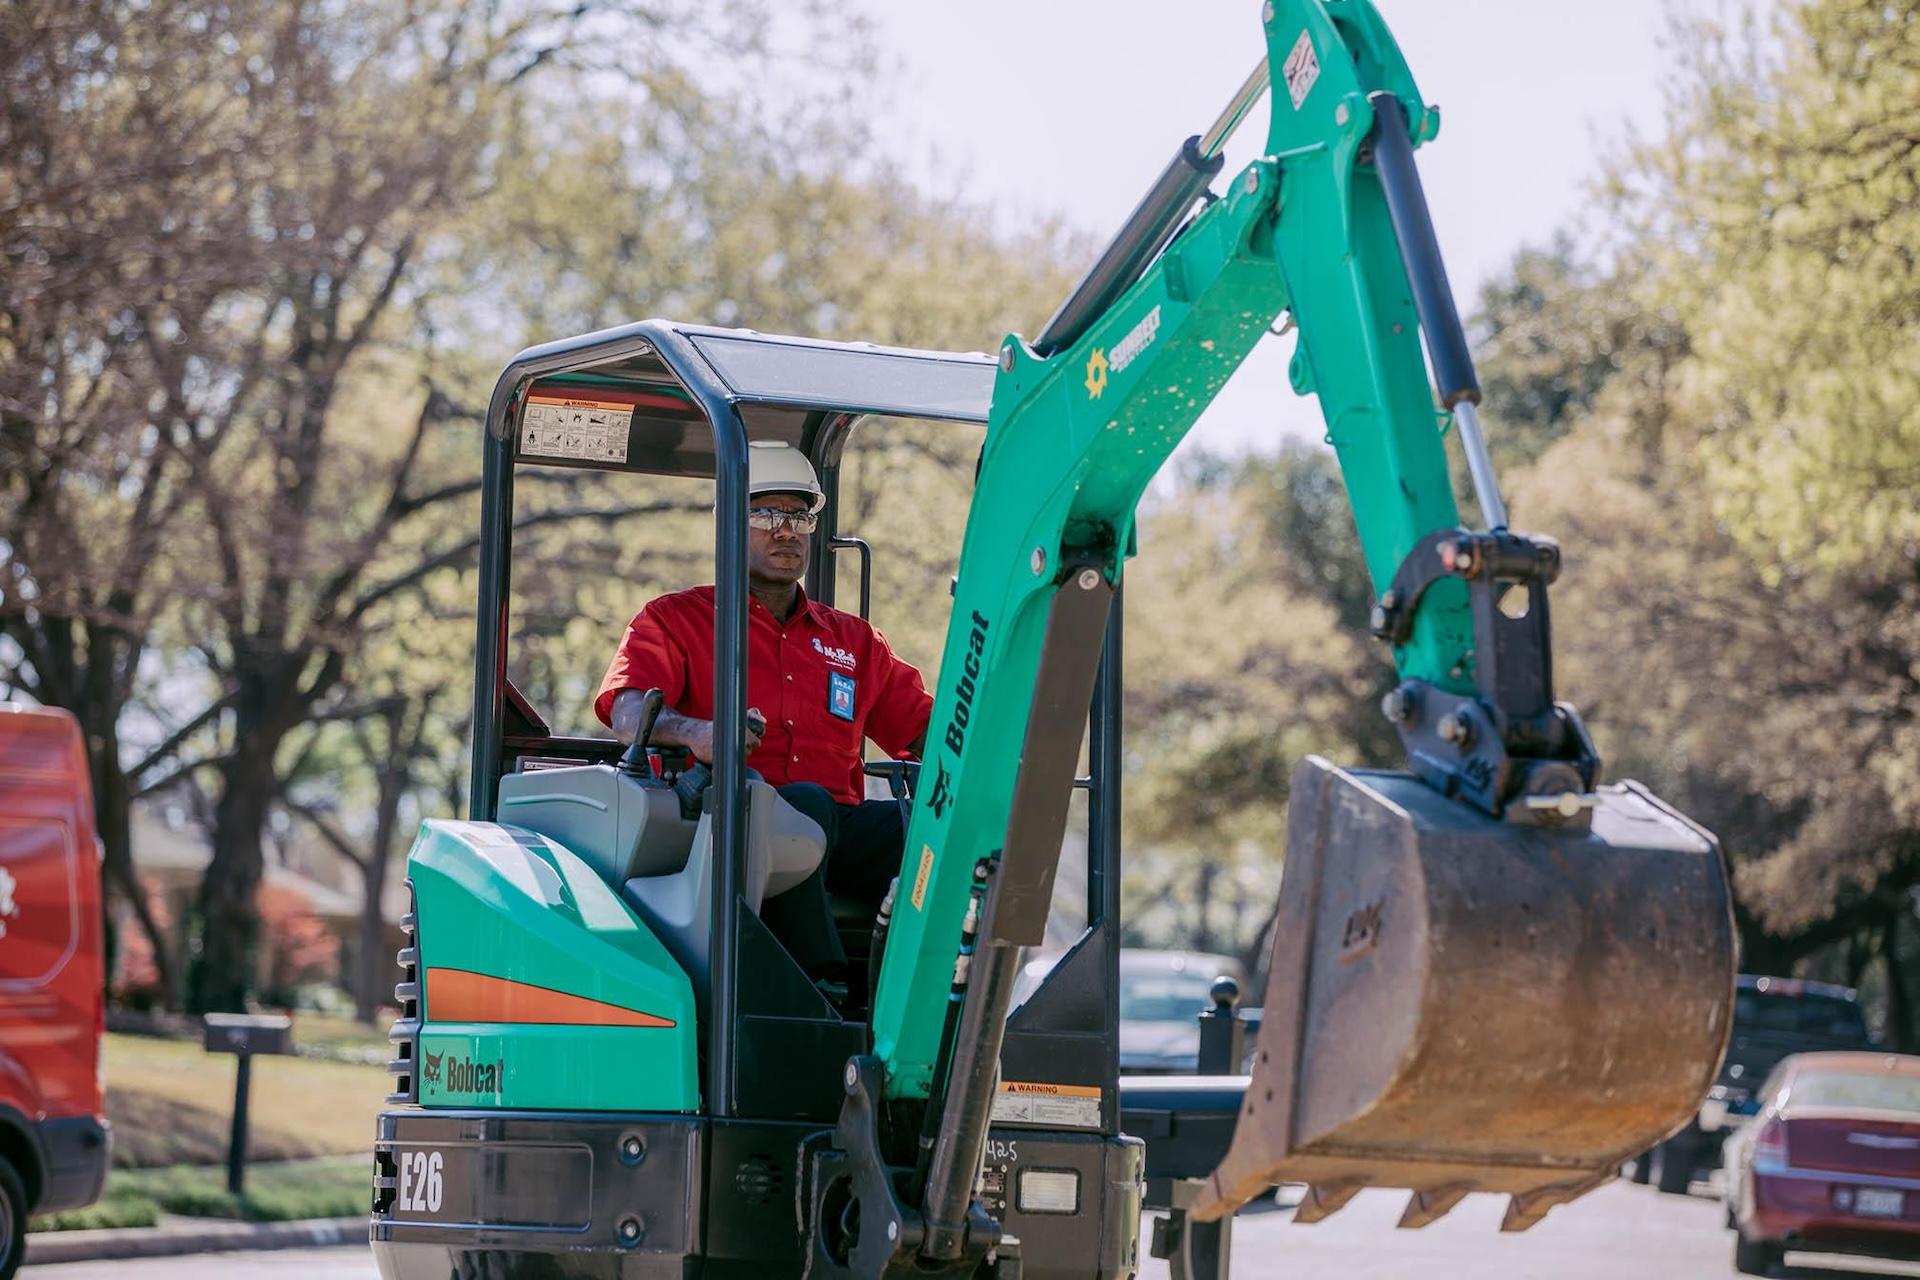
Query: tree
x=118 y=139
x=1247 y=649
x=334 y=148
x=1782 y=208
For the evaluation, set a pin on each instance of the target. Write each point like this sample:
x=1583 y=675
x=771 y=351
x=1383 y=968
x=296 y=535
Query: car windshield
x=1164 y=997
x=1867 y=1091
x=1822 y=1016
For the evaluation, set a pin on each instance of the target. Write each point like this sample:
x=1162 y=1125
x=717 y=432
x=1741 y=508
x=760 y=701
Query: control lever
x=691 y=786
x=633 y=762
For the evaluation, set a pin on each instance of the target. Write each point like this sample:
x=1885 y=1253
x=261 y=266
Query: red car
x=54 y=1141
x=1830 y=1163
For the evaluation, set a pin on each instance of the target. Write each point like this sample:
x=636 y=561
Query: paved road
x=1621 y=1232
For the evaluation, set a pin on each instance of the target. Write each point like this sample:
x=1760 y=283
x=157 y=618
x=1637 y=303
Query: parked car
x=1162 y=995
x=1772 y=1018
x=1830 y=1162
x=54 y=1139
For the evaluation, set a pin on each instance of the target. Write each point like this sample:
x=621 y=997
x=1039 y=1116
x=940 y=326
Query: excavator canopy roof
x=640 y=397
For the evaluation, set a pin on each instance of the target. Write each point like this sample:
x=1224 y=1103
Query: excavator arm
x=1085 y=416
x=1327 y=230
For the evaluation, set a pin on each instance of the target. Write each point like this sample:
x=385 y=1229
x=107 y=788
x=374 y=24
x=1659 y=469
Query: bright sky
x=1072 y=107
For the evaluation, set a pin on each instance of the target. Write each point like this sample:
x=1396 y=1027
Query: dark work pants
x=863 y=857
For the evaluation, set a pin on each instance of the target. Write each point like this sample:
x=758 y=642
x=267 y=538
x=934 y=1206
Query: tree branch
x=179 y=736
x=456 y=554
x=328 y=832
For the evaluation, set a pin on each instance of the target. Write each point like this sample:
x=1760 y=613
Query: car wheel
x=1755 y=1257
x=1673 y=1171
x=13 y=1220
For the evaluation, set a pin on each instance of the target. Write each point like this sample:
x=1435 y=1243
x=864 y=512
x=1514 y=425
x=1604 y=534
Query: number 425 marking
x=421 y=1188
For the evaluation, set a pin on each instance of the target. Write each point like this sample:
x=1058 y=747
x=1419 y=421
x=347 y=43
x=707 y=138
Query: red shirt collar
x=803 y=609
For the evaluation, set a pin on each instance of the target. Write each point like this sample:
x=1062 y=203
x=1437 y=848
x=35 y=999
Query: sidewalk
x=176 y=1236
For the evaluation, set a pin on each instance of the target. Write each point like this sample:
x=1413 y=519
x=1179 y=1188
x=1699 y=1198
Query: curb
x=174 y=1239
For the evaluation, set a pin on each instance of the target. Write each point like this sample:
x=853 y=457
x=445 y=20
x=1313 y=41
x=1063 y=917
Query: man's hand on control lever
x=675 y=730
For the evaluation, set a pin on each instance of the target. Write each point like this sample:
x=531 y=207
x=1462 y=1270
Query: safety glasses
x=773 y=519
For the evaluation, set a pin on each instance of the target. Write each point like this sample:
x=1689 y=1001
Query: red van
x=54 y=1140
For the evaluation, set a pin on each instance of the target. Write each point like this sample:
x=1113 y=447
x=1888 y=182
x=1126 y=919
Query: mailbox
x=249 y=1033
x=245 y=1034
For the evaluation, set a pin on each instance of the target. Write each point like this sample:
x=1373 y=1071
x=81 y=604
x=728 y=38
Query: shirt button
x=789 y=724
x=796 y=759
x=789 y=679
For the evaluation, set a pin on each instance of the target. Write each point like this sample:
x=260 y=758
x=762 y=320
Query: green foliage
x=1246 y=650
x=333 y=1188
x=120 y=1206
x=1783 y=210
x=1550 y=332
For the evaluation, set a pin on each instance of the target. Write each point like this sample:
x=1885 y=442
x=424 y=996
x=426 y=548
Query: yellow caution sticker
x=920 y=877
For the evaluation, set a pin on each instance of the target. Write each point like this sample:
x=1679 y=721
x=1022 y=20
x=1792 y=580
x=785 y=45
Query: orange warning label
x=1050 y=1090
x=615 y=405
x=1051 y=1106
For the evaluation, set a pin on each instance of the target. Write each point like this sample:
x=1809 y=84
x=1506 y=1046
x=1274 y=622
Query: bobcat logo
x=431 y=1075
x=8 y=908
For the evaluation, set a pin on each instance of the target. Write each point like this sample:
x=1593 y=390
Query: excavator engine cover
x=1458 y=1003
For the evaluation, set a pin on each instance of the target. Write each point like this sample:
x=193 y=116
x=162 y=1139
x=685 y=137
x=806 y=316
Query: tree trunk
x=1203 y=906
x=225 y=970
x=374 y=973
x=375 y=967
x=113 y=814
x=1899 y=1017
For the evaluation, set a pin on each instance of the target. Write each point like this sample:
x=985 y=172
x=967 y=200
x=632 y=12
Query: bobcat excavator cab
x=1489 y=972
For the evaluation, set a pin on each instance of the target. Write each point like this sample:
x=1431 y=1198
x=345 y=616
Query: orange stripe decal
x=455 y=995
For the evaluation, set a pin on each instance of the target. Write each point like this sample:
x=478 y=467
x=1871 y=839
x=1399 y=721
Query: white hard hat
x=773 y=467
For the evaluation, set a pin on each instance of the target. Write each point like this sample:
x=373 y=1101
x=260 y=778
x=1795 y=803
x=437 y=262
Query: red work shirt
x=823 y=679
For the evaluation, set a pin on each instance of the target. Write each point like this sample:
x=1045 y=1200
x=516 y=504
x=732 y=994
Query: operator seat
x=632 y=833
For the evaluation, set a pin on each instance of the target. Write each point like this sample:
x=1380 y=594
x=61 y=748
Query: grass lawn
x=338 y=1187
x=331 y=1037
x=171 y=1102
x=171 y=1105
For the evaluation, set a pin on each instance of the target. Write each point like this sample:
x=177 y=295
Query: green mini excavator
x=1490 y=973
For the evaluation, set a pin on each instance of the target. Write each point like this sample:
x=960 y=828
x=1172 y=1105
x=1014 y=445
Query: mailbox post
x=245 y=1034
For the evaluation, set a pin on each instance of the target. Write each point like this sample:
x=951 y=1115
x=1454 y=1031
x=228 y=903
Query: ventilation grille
x=759 y=1180
x=405 y=1034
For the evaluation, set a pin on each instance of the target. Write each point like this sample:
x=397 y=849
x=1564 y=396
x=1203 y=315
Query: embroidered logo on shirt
x=834 y=654
x=840 y=695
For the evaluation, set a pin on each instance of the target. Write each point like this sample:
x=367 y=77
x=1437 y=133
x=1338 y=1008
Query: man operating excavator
x=819 y=682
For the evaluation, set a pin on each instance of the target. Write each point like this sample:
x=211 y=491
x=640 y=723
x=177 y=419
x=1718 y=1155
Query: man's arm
x=673 y=729
x=898 y=724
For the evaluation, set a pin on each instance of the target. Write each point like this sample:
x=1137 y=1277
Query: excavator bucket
x=1458 y=1003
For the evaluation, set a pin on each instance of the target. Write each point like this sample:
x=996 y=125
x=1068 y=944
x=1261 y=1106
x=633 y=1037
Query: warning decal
x=586 y=430
x=1302 y=69
x=1056 y=1106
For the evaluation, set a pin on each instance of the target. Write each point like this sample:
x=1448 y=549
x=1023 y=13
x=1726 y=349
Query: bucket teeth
x=1323 y=1200
x=1524 y=1211
x=1426 y=1207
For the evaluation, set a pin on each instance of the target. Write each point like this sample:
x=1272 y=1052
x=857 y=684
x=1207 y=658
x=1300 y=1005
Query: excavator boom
x=1084 y=418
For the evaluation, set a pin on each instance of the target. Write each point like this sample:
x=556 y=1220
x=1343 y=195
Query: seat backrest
x=620 y=825
x=783 y=848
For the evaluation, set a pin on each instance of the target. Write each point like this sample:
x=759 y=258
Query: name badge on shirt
x=840 y=695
